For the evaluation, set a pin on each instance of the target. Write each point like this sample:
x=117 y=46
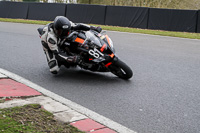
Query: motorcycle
x=96 y=51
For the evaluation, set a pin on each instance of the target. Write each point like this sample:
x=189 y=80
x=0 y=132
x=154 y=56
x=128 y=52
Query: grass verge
x=116 y=28
x=31 y=119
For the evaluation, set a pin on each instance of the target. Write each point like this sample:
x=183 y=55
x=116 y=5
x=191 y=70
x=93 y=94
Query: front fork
x=111 y=62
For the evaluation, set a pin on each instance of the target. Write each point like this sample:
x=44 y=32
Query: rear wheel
x=120 y=69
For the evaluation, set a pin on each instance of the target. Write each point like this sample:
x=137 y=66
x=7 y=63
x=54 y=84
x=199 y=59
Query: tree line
x=172 y=4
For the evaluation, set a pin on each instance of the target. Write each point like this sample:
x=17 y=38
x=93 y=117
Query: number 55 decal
x=95 y=53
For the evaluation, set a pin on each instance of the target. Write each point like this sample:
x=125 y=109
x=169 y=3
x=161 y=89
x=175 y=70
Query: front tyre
x=120 y=69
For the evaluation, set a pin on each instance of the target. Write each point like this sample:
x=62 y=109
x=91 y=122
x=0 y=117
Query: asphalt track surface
x=162 y=97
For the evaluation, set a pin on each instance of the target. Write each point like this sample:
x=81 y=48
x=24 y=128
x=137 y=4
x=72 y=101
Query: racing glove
x=74 y=59
x=98 y=29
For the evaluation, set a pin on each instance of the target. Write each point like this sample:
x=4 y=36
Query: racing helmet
x=61 y=26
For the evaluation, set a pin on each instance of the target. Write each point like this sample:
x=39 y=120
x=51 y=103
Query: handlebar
x=72 y=34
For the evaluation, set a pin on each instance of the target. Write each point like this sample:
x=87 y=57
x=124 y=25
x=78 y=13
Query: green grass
x=153 y=32
x=121 y=29
x=31 y=119
x=23 y=21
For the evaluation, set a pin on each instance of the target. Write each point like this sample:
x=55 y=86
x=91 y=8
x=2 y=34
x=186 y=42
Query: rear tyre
x=120 y=69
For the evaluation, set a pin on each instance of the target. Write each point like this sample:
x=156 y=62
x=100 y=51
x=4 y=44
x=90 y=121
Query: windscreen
x=93 y=38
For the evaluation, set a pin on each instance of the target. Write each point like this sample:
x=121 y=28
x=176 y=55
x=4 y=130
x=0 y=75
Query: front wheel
x=120 y=69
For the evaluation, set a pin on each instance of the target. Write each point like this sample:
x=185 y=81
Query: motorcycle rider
x=53 y=35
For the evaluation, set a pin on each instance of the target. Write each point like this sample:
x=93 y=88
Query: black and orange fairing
x=111 y=55
x=79 y=40
x=103 y=48
x=108 y=64
x=108 y=40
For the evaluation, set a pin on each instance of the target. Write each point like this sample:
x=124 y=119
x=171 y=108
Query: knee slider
x=53 y=65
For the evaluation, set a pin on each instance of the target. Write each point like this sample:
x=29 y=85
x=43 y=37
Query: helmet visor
x=58 y=32
x=65 y=33
x=62 y=32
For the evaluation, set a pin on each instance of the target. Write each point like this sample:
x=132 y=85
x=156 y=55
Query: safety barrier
x=125 y=16
x=172 y=20
x=198 y=22
x=136 y=17
x=47 y=11
x=13 y=10
x=93 y=14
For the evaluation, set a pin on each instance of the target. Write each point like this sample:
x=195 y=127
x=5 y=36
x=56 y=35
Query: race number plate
x=95 y=53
